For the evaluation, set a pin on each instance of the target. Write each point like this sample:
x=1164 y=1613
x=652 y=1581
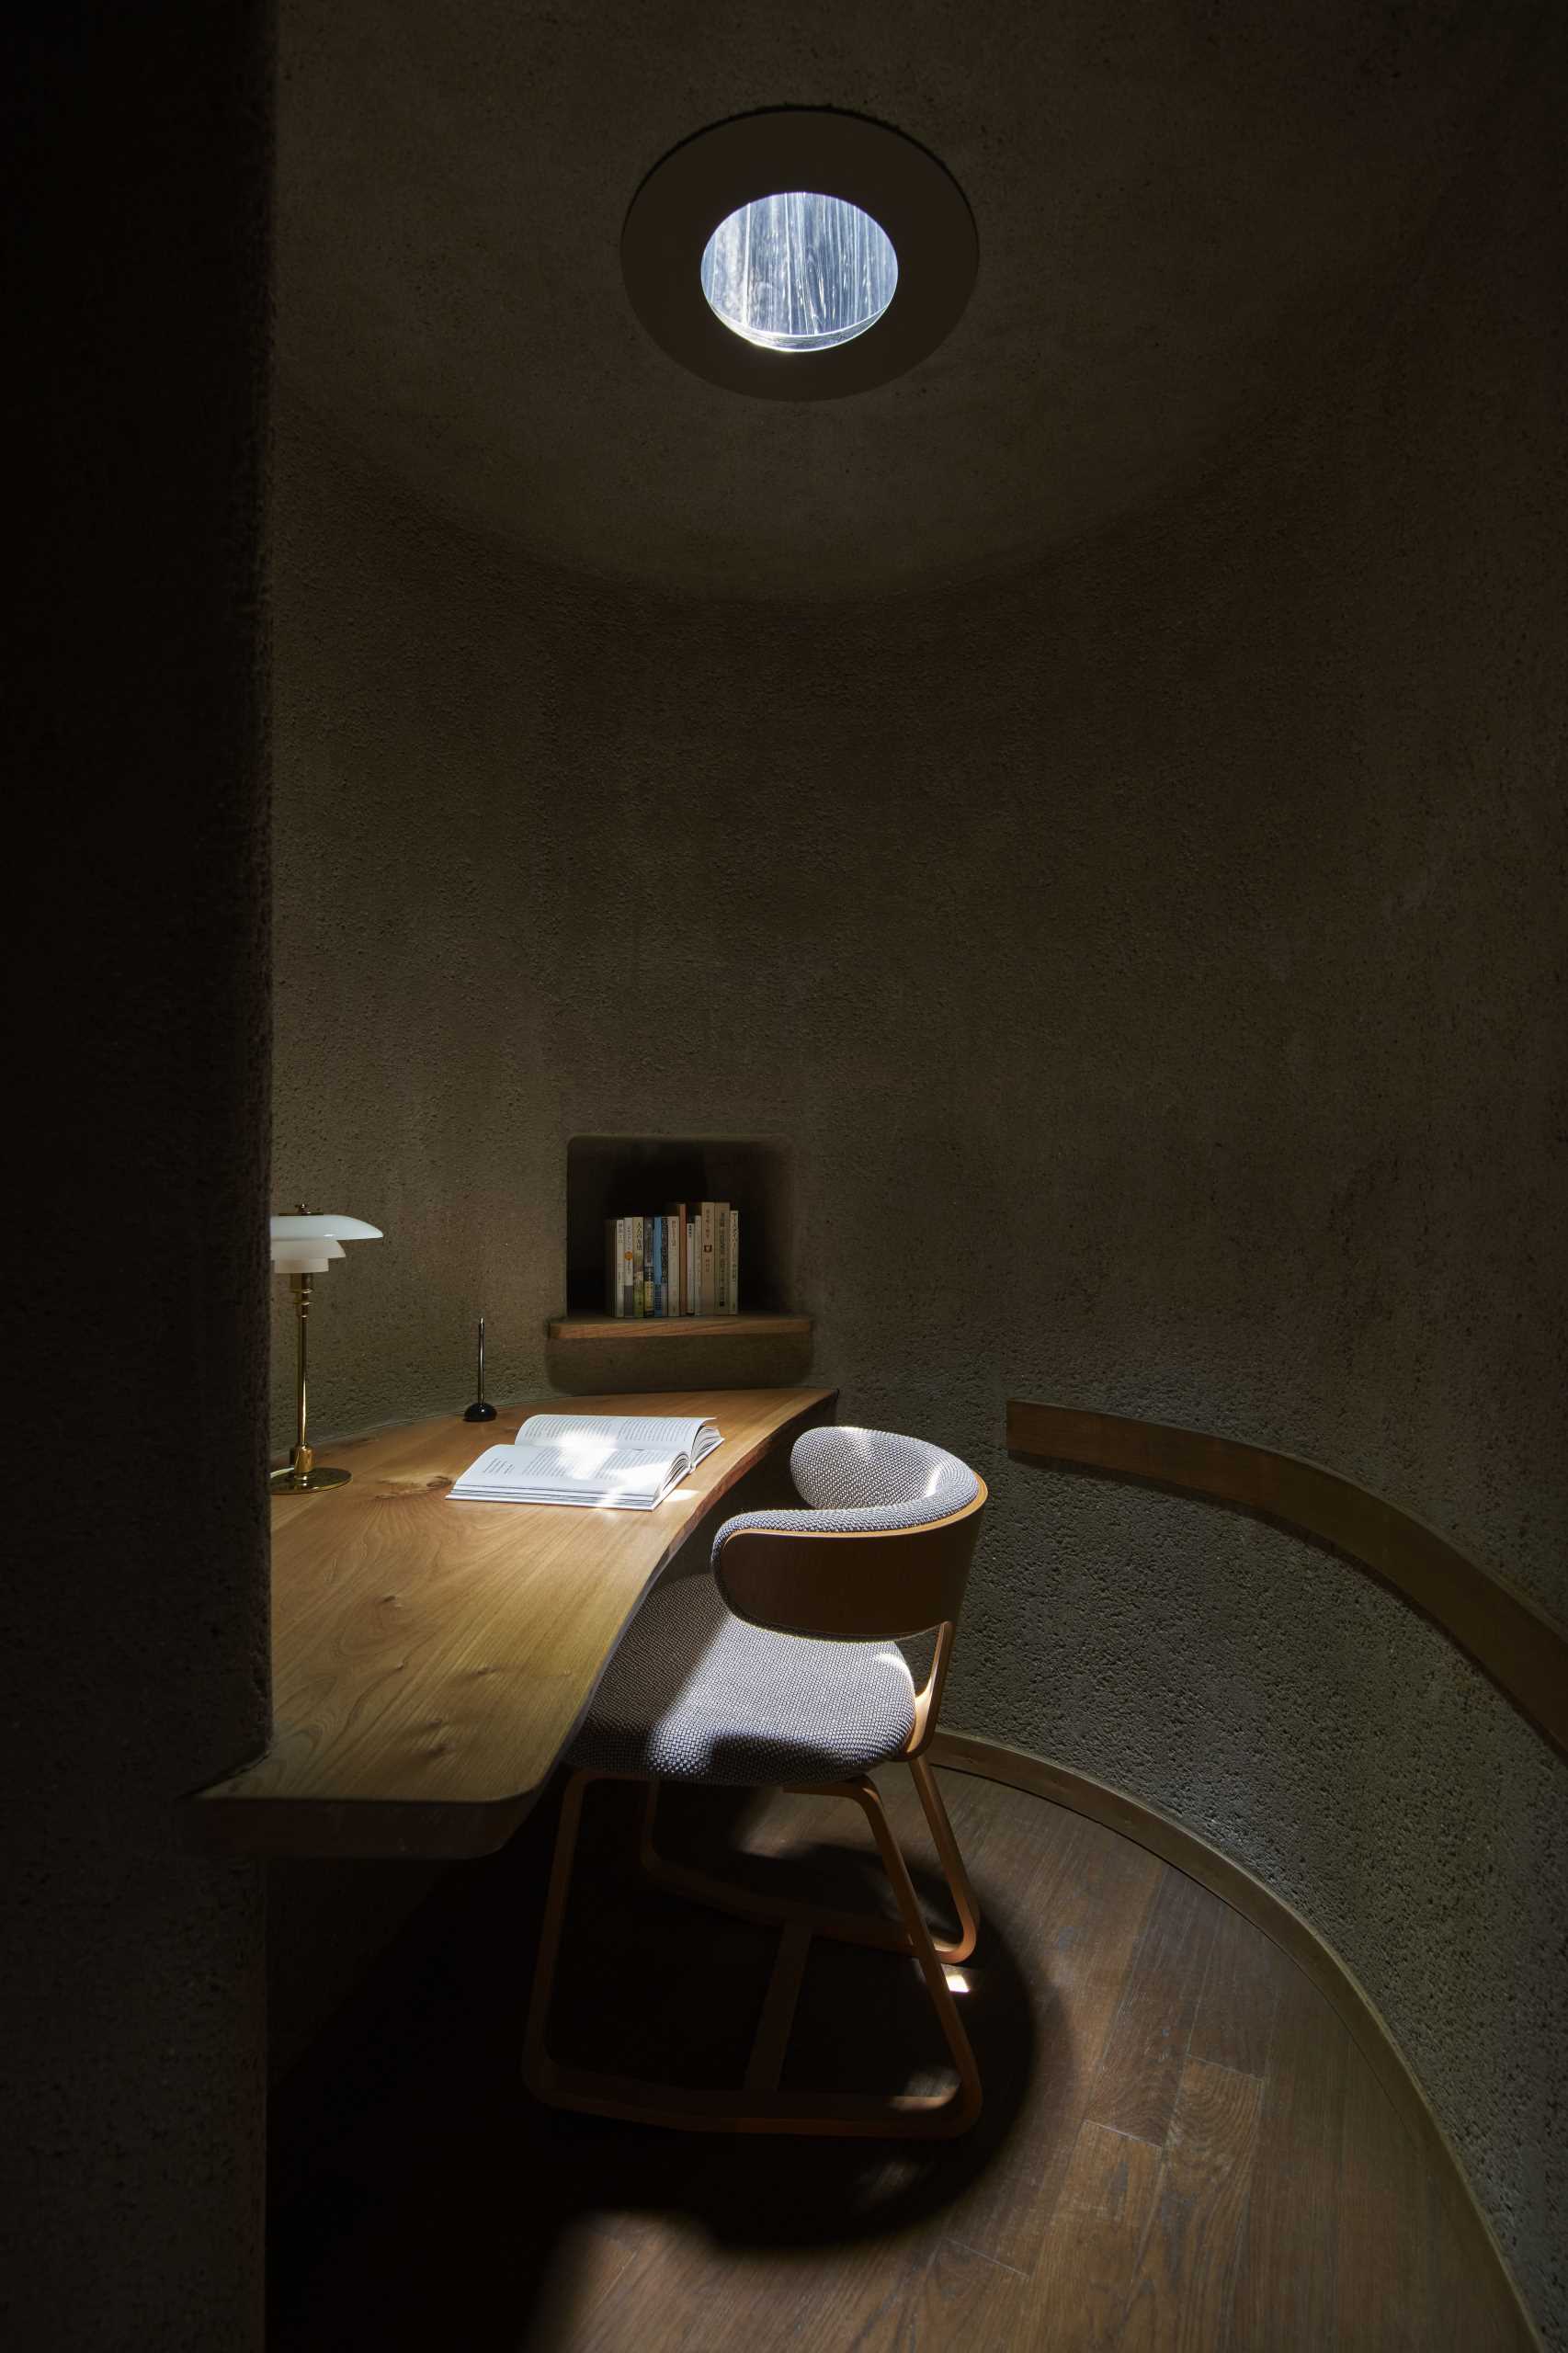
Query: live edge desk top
x=431 y=1660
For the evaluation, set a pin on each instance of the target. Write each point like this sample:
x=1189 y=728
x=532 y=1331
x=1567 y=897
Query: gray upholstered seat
x=695 y=1694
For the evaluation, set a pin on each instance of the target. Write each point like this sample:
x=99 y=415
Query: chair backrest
x=883 y=1552
x=846 y=1470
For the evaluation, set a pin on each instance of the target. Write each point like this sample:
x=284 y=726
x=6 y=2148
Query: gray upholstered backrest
x=854 y=1480
x=846 y=1469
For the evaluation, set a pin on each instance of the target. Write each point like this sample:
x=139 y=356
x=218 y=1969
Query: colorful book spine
x=679 y=1303
x=720 y=1258
x=626 y=1307
x=693 y=1229
x=733 y=1263
x=705 y=1291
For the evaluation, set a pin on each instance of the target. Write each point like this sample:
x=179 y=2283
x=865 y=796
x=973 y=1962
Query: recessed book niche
x=678 y=1237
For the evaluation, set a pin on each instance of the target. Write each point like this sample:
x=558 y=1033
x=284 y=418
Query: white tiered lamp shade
x=304 y=1257
x=337 y=1227
x=307 y=1245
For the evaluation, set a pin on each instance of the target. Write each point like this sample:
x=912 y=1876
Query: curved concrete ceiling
x=1180 y=205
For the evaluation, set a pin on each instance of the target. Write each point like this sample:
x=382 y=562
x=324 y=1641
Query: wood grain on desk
x=431 y=1659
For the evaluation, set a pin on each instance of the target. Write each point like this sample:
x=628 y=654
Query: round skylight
x=799 y=272
x=869 y=282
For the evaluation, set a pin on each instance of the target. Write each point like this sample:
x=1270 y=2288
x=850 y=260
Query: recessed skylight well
x=799 y=253
x=798 y=271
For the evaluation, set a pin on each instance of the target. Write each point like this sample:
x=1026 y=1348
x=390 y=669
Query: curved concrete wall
x=1157 y=962
x=133 y=1656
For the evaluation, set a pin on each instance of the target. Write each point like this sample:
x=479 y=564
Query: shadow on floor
x=419 y=2193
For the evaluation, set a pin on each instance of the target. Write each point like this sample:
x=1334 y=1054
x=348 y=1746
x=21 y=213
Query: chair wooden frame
x=898 y=1583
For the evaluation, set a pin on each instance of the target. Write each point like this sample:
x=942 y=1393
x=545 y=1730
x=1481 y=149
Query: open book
x=627 y=1462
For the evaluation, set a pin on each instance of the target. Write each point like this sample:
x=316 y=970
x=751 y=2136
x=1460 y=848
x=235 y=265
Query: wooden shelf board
x=675 y=1327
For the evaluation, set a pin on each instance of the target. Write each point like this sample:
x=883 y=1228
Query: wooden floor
x=1180 y=2148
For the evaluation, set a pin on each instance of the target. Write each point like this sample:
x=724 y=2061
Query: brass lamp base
x=305 y=1482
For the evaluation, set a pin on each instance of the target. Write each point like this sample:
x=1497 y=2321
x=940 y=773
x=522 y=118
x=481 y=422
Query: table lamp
x=303 y=1247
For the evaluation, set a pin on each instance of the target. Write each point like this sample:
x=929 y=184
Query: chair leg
x=758 y=2106
x=539 y=2068
x=966 y=2101
x=843 y=1928
x=951 y=1860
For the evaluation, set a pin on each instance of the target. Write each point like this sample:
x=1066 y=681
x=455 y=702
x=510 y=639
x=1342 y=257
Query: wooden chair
x=782 y=1669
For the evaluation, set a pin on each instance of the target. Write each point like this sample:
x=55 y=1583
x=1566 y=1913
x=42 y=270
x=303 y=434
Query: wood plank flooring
x=1181 y=2147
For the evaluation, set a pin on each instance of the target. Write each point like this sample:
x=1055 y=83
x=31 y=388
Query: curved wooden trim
x=1493 y=1621
x=1162 y=1834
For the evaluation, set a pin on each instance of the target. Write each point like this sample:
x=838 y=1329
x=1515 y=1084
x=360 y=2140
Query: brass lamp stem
x=303 y=1459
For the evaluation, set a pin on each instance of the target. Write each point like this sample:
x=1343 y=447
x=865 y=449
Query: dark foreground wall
x=1157 y=964
x=133 y=1604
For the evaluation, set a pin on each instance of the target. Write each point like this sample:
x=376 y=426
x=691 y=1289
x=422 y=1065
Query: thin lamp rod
x=302 y=1299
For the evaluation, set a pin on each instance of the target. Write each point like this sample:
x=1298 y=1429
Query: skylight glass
x=799 y=272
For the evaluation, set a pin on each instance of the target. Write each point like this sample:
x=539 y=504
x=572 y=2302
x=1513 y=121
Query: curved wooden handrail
x=1523 y=1650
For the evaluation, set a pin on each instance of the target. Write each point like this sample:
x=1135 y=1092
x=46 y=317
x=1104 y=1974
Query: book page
x=579 y=1435
x=599 y=1471
x=634 y=1476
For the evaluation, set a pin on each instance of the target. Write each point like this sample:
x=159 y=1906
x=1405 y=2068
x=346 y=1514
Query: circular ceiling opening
x=799 y=253
x=798 y=271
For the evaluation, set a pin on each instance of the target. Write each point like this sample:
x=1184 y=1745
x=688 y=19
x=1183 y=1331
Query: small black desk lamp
x=479 y=1411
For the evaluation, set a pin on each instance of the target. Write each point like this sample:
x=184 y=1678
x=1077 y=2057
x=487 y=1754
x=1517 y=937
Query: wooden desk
x=431 y=1660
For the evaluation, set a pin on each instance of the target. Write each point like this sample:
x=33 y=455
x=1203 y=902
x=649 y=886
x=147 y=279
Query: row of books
x=685 y=1261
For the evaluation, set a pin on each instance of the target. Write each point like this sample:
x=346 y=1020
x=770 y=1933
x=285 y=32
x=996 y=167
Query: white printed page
x=633 y=1470
x=632 y=1478
x=577 y=1435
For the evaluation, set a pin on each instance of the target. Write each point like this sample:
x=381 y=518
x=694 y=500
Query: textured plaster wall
x=1157 y=963
x=133 y=1604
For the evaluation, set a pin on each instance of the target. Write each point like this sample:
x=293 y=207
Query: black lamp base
x=480 y=1412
